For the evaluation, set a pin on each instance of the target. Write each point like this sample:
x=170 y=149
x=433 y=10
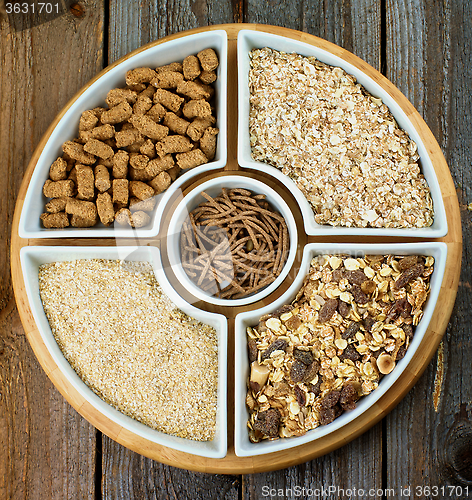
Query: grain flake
x=339 y=144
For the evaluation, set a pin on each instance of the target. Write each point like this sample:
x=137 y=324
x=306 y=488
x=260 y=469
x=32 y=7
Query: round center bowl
x=213 y=187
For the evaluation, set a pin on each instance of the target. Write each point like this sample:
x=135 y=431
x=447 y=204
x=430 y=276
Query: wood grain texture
x=337 y=469
x=428 y=58
x=130 y=476
x=46 y=449
x=323 y=445
x=352 y=24
x=125 y=473
x=135 y=23
x=356 y=27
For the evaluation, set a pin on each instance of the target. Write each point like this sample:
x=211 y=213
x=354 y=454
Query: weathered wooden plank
x=133 y=24
x=337 y=475
x=130 y=476
x=428 y=58
x=406 y=46
x=46 y=449
x=127 y=474
x=355 y=25
x=352 y=24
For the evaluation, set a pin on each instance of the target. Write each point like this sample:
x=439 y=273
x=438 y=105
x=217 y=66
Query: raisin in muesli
x=327 y=310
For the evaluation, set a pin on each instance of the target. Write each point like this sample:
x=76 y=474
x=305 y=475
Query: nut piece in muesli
x=340 y=145
x=350 y=323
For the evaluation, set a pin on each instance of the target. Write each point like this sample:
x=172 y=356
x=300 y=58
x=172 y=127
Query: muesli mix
x=160 y=123
x=131 y=345
x=349 y=324
x=340 y=145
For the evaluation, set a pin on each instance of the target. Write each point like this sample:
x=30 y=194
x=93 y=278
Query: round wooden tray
x=232 y=464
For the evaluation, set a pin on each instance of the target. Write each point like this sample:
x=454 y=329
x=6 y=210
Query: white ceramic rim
x=181 y=212
x=94 y=95
x=32 y=257
x=243 y=446
x=250 y=39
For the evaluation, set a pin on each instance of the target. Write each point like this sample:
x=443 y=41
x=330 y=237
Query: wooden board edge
x=232 y=464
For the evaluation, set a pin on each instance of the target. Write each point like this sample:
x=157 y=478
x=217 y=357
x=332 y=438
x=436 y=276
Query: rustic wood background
x=47 y=451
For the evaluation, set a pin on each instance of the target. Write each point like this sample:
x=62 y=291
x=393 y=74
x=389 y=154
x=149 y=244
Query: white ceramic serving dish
x=249 y=40
x=213 y=187
x=92 y=95
x=32 y=257
x=243 y=446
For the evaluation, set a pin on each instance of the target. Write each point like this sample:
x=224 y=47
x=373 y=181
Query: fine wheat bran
x=132 y=346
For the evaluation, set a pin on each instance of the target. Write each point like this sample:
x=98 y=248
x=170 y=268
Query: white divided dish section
x=249 y=40
x=33 y=257
x=94 y=95
x=213 y=187
x=243 y=446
